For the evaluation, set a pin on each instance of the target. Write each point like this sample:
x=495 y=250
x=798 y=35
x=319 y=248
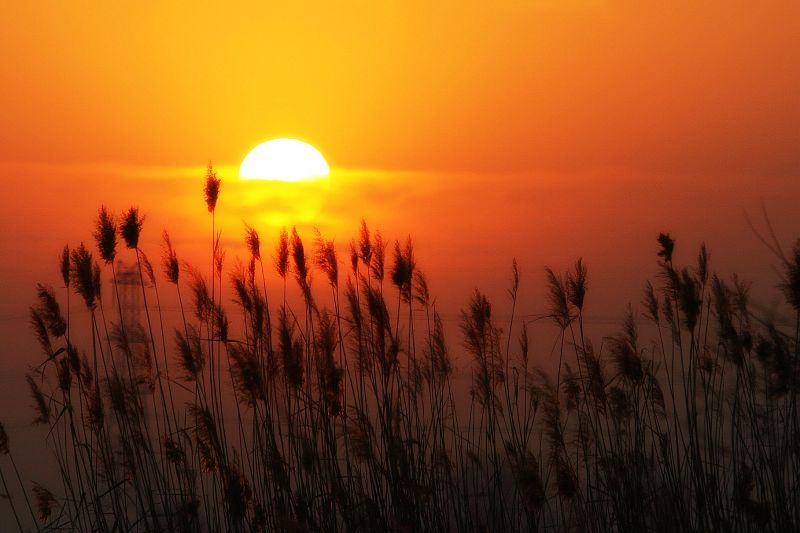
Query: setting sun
x=520 y=265
x=284 y=160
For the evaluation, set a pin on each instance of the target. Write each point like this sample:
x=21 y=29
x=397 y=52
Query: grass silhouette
x=304 y=418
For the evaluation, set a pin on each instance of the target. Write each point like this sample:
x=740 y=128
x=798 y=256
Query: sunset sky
x=541 y=130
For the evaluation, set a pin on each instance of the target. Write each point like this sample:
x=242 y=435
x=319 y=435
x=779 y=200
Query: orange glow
x=487 y=130
x=531 y=130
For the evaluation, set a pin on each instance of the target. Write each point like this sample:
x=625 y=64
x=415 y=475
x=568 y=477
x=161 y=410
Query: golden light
x=284 y=160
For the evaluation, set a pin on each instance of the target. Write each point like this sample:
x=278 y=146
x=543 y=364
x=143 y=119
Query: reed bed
x=347 y=416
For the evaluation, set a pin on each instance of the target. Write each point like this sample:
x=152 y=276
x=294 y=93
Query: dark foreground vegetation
x=347 y=417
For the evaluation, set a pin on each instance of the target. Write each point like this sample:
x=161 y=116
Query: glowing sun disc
x=283 y=160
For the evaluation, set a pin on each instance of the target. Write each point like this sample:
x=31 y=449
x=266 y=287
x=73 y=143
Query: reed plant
x=344 y=412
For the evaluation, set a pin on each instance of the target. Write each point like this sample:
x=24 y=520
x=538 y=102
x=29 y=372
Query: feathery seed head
x=364 y=245
x=45 y=501
x=40 y=330
x=301 y=271
x=291 y=351
x=148 y=269
x=212 y=188
x=353 y=256
x=169 y=261
x=106 y=235
x=702 y=264
x=566 y=482
x=403 y=269
x=95 y=416
x=203 y=306
x=651 y=303
x=239 y=284
x=191 y=357
x=220 y=323
x=41 y=404
x=63 y=265
x=689 y=299
x=173 y=451
x=96 y=280
x=253 y=242
x=558 y=298
x=525 y=468
x=3 y=440
x=325 y=259
x=422 y=293
x=246 y=371
x=64 y=374
x=791 y=283
x=83 y=276
x=514 y=288
x=625 y=351
x=577 y=285
x=219 y=254
x=667 y=244
x=282 y=254
x=378 y=254
x=131 y=227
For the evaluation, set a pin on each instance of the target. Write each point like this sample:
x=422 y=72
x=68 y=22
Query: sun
x=283 y=160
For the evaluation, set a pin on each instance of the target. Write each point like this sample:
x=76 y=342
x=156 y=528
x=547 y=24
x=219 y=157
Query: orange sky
x=542 y=130
x=435 y=86
x=530 y=129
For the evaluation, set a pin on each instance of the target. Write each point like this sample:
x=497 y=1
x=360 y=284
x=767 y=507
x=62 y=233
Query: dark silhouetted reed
x=352 y=412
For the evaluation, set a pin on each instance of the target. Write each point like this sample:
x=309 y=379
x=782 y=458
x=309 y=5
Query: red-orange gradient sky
x=542 y=130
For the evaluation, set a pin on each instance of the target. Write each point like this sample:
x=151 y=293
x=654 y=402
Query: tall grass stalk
x=347 y=412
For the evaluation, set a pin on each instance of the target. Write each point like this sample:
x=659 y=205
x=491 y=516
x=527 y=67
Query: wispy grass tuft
x=356 y=411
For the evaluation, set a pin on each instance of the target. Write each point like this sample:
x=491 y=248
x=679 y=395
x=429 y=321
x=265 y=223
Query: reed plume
x=248 y=378
x=403 y=269
x=624 y=349
x=325 y=259
x=169 y=260
x=95 y=414
x=106 y=235
x=3 y=440
x=41 y=404
x=332 y=430
x=203 y=305
x=83 y=276
x=353 y=257
x=282 y=254
x=207 y=436
x=291 y=351
x=63 y=265
x=211 y=189
x=131 y=227
x=689 y=299
x=667 y=244
x=330 y=375
x=364 y=244
x=40 y=331
x=51 y=311
x=378 y=255
x=651 y=304
x=45 y=501
x=577 y=285
x=525 y=468
x=301 y=271
x=191 y=357
x=252 y=241
x=791 y=282
x=438 y=354
x=149 y=271
x=240 y=288
x=558 y=298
